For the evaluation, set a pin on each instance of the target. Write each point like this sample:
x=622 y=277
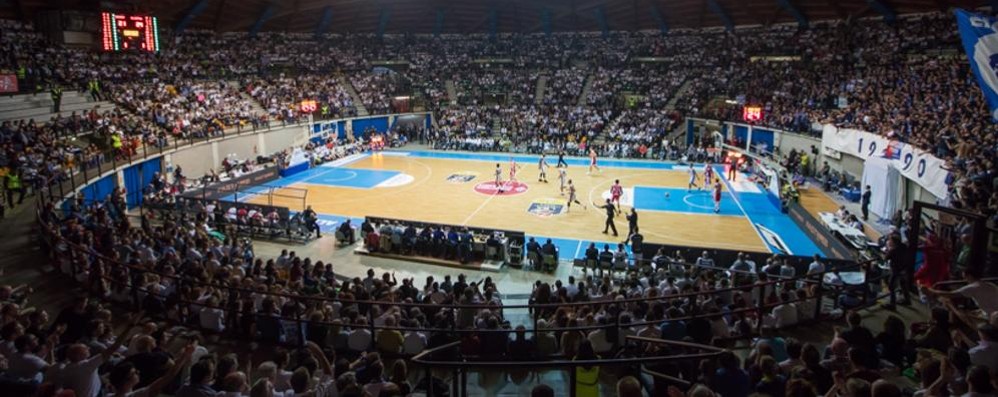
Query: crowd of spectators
x=896 y=80
x=183 y=269
x=377 y=89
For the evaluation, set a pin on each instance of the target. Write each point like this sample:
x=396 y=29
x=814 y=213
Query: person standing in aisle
x=867 y=195
x=56 y=93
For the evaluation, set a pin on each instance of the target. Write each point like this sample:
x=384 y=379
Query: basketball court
x=459 y=189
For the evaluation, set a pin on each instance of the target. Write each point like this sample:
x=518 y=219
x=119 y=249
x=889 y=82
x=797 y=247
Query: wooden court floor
x=430 y=197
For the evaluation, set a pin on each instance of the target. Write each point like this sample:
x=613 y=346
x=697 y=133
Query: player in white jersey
x=499 y=177
x=542 y=166
x=693 y=179
x=562 y=177
x=572 y=198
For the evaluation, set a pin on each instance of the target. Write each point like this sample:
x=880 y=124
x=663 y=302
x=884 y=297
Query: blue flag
x=980 y=39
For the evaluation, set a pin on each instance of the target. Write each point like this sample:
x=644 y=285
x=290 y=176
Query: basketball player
x=499 y=177
x=572 y=198
x=592 y=162
x=708 y=173
x=717 y=195
x=542 y=166
x=615 y=192
x=693 y=179
x=732 y=168
x=512 y=169
x=562 y=177
x=561 y=159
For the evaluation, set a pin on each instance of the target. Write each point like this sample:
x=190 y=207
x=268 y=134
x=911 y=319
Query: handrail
x=422 y=357
x=684 y=383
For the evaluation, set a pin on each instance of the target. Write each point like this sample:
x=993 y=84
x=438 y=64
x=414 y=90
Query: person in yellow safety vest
x=586 y=377
x=325 y=110
x=116 y=142
x=14 y=185
x=93 y=87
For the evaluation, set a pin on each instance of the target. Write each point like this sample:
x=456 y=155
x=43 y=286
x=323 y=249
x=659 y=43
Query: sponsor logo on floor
x=462 y=177
x=546 y=207
x=505 y=188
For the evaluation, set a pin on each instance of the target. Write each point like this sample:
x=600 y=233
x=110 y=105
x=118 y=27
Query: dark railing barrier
x=461 y=364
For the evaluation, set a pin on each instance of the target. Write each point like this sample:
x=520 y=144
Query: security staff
x=611 y=210
x=93 y=87
x=56 y=93
x=632 y=222
x=14 y=184
x=867 y=195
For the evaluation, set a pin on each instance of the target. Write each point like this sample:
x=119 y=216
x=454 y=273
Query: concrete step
x=542 y=85
x=44 y=94
x=357 y=103
x=21 y=102
x=255 y=105
x=584 y=95
x=451 y=91
x=44 y=113
x=671 y=105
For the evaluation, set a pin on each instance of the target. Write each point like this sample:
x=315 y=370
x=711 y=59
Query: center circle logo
x=505 y=188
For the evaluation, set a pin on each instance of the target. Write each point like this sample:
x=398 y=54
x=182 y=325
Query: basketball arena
x=556 y=198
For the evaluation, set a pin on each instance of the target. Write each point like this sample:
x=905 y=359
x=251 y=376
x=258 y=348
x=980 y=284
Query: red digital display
x=752 y=113
x=308 y=106
x=129 y=32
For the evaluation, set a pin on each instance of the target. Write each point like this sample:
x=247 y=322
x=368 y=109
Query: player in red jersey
x=717 y=196
x=592 y=162
x=708 y=173
x=615 y=192
x=512 y=169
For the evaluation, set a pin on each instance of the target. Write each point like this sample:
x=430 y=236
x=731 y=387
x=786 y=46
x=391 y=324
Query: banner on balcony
x=980 y=40
x=918 y=165
x=8 y=83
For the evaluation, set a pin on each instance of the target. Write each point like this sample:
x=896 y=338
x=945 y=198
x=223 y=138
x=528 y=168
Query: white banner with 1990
x=915 y=164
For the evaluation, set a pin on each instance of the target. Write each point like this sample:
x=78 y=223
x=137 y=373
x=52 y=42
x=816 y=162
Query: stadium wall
x=196 y=159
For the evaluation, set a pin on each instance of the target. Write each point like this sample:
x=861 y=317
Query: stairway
x=354 y=97
x=671 y=105
x=255 y=107
x=584 y=95
x=39 y=107
x=542 y=85
x=451 y=91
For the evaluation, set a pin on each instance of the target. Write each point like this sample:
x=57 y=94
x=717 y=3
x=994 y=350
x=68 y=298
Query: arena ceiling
x=465 y=16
